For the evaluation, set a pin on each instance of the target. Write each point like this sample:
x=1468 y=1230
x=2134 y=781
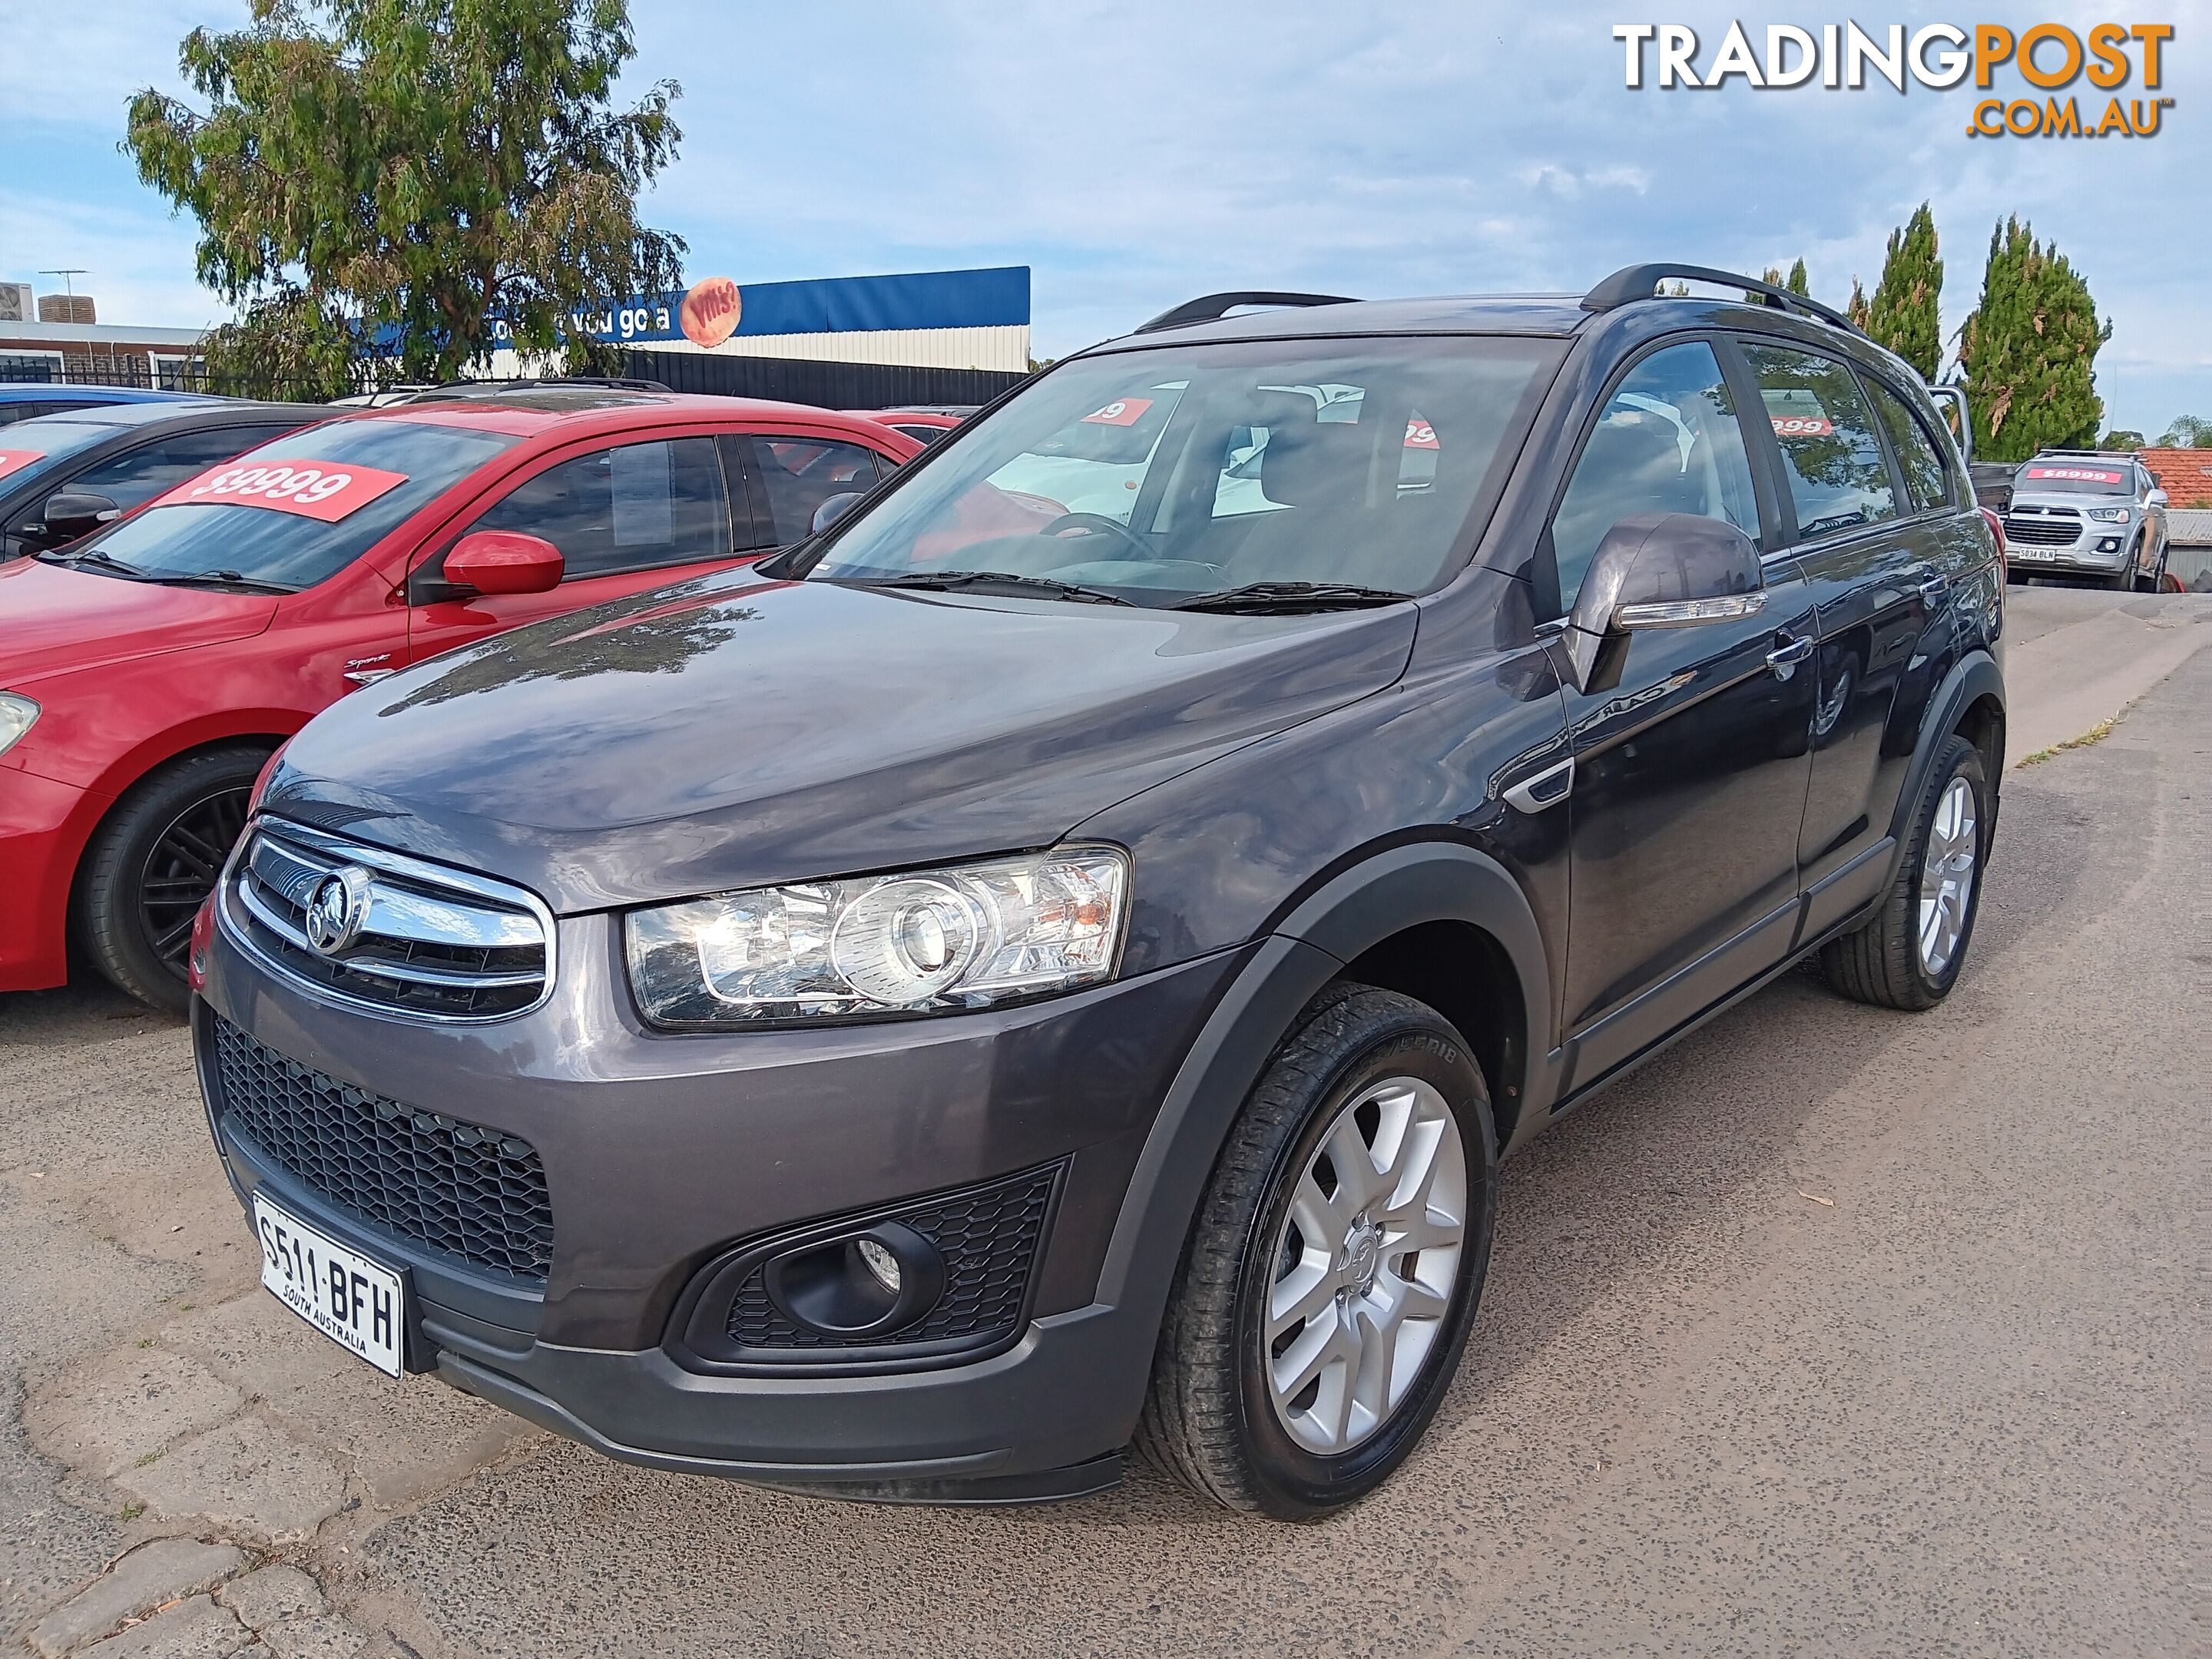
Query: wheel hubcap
x=181 y=869
x=1365 y=1263
x=1947 y=875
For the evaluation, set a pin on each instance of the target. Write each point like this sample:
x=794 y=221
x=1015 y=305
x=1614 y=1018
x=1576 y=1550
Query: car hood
x=54 y=619
x=737 y=732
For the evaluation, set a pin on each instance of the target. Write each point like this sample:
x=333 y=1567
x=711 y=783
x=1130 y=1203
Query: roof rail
x=1213 y=306
x=1633 y=282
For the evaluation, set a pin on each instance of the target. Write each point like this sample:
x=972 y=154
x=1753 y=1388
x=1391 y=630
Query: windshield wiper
x=1292 y=596
x=235 y=578
x=947 y=580
x=95 y=558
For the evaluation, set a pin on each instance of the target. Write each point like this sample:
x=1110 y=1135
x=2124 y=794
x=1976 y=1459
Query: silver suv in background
x=2086 y=512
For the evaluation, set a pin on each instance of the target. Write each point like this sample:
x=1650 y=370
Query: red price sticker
x=1800 y=426
x=1419 y=434
x=2078 y=474
x=14 y=460
x=327 y=490
x=1122 y=411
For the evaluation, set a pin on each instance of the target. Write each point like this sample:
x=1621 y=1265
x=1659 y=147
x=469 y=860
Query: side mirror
x=1952 y=400
x=504 y=562
x=2156 y=498
x=832 y=510
x=68 y=516
x=1658 y=570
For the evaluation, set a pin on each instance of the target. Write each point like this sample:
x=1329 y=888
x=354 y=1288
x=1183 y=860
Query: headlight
x=2109 y=514
x=929 y=941
x=17 y=715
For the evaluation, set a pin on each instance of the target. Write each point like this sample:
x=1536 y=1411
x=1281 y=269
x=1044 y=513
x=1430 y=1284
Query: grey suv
x=2086 y=512
x=1002 y=982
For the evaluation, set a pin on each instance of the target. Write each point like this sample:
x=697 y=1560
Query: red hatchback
x=147 y=673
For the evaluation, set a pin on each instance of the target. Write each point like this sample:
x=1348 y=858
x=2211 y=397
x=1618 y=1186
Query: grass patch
x=2096 y=733
x=132 y=1512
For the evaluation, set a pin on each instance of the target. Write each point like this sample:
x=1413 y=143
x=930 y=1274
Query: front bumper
x=660 y=1152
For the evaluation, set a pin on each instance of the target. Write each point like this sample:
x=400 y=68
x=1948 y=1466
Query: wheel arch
x=1399 y=912
x=1970 y=702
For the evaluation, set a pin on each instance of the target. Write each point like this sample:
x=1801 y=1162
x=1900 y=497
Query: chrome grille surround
x=433 y=943
x=2043 y=526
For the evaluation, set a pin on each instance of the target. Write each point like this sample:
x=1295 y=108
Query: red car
x=147 y=673
x=924 y=426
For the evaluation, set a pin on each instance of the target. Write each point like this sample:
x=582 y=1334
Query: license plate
x=358 y=1305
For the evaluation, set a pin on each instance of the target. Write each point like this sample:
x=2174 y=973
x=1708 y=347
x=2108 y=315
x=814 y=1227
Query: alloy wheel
x=1365 y=1262
x=181 y=869
x=1947 y=877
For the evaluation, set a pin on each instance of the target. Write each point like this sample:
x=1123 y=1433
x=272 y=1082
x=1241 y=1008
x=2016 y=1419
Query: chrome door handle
x=1783 y=659
x=1933 y=586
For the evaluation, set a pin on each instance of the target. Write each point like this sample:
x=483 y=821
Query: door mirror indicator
x=832 y=510
x=504 y=562
x=1658 y=570
x=69 y=515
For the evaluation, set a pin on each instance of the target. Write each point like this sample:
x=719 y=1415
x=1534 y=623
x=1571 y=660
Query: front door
x=625 y=516
x=1689 y=772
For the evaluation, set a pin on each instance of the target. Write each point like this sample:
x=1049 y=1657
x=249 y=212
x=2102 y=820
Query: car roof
x=565 y=411
x=40 y=392
x=212 y=411
x=1540 y=315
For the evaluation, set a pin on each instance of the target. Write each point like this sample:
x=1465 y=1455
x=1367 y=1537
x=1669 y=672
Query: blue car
x=27 y=400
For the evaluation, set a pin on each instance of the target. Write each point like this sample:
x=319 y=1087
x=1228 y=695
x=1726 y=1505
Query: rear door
x=1869 y=508
x=627 y=514
x=1689 y=783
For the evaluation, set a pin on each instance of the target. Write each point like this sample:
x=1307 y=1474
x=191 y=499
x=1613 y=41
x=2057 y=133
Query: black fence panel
x=828 y=385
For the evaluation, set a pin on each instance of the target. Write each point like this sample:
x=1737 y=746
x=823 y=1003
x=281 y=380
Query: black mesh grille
x=2057 y=531
x=988 y=1237
x=464 y=1191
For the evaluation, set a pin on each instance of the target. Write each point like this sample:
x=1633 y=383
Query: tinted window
x=797 y=475
x=1161 y=474
x=52 y=440
x=1917 y=457
x=1667 y=442
x=140 y=474
x=10 y=413
x=1838 y=478
x=271 y=546
x=921 y=434
x=626 y=509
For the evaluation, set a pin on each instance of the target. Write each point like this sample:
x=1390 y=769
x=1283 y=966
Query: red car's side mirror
x=504 y=562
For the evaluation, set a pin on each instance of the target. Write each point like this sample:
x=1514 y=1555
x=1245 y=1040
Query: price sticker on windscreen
x=2078 y=474
x=327 y=490
x=14 y=460
x=1122 y=411
x=1802 y=426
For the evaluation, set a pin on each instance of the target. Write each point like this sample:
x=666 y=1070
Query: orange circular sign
x=711 y=310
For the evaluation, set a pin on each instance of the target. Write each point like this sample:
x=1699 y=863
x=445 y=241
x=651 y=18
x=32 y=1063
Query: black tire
x=1208 y=1420
x=2122 y=580
x=152 y=860
x=1880 y=962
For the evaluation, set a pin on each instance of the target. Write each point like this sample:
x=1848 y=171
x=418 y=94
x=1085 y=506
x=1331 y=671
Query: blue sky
x=1137 y=153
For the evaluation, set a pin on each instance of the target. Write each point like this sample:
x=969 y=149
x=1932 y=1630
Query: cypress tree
x=2029 y=350
x=1902 y=314
x=1798 y=282
x=1857 y=310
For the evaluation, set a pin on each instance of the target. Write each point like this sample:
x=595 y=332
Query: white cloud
x=1140 y=151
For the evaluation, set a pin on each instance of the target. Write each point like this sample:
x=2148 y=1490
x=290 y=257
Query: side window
x=1917 y=457
x=796 y=475
x=628 y=508
x=1668 y=441
x=144 y=472
x=1838 y=478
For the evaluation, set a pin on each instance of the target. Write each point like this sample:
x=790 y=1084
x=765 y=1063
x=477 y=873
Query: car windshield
x=2068 y=477
x=281 y=544
x=28 y=448
x=1159 y=476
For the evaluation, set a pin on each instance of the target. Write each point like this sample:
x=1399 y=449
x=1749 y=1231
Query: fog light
x=2110 y=544
x=882 y=1263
